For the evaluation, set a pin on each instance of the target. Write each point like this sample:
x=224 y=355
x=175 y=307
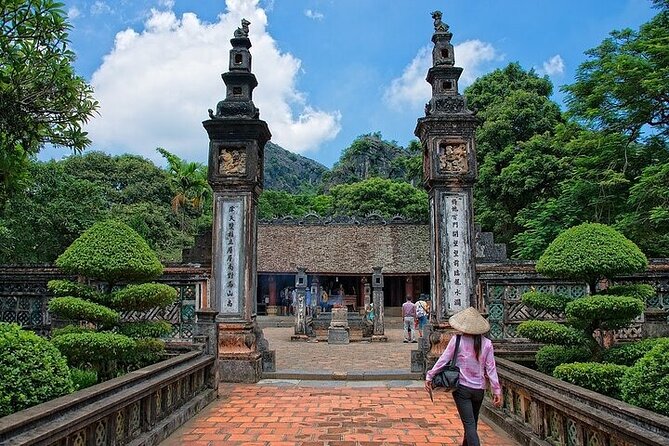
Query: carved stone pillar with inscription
x=236 y=152
x=377 y=301
x=449 y=172
x=300 y=306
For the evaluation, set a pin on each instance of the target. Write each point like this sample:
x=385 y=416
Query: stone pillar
x=377 y=299
x=271 y=307
x=206 y=333
x=237 y=140
x=367 y=292
x=300 y=306
x=338 y=331
x=449 y=171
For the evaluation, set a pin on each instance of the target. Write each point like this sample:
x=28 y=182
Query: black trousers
x=468 y=401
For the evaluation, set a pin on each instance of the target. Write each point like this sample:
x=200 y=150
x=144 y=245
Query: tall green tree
x=42 y=100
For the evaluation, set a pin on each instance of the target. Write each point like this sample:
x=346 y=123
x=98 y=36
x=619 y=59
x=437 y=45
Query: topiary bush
x=603 y=312
x=146 y=352
x=102 y=351
x=549 y=332
x=602 y=378
x=629 y=354
x=143 y=297
x=70 y=329
x=31 y=368
x=146 y=329
x=640 y=291
x=63 y=287
x=111 y=251
x=545 y=301
x=74 y=308
x=550 y=356
x=83 y=378
x=646 y=384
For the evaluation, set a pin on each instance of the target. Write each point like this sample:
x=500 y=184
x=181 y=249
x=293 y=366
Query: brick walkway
x=331 y=413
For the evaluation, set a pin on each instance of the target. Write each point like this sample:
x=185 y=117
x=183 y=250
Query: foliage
x=100 y=350
x=64 y=287
x=83 y=378
x=75 y=308
x=590 y=252
x=550 y=356
x=646 y=384
x=604 y=312
x=387 y=197
x=147 y=351
x=545 y=301
x=70 y=329
x=629 y=354
x=624 y=85
x=602 y=378
x=110 y=251
x=42 y=100
x=32 y=370
x=143 y=297
x=639 y=291
x=146 y=329
x=549 y=332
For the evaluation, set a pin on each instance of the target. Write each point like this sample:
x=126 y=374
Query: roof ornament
x=244 y=30
x=439 y=26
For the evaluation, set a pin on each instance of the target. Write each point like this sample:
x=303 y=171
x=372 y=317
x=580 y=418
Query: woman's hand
x=497 y=400
x=428 y=386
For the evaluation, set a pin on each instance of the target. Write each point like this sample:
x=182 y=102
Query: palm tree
x=189 y=182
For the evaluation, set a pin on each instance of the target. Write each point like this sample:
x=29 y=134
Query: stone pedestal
x=655 y=324
x=339 y=331
x=239 y=358
x=272 y=310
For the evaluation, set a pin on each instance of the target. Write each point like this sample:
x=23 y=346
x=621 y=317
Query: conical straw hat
x=469 y=321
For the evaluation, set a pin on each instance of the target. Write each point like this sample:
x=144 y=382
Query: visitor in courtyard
x=476 y=360
x=324 y=300
x=409 y=317
x=421 y=314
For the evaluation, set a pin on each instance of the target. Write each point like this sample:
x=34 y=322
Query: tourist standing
x=421 y=315
x=409 y=317
x=476 y=360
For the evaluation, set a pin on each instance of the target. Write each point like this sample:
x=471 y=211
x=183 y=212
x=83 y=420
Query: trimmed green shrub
x=111 y=251
x=70 y=329
x=550 y=356
x=98 y=349
x=589 y=252
x=641 y=291
x=144 y=297
x=74 y=308
x=646 y=384
x=83 y=378
x=629 y=354
x=146 y=352
x=146 y=329
x=602 y=378
x=549 y=332
x=613 y=311
x=62 y=288
x=32 y=370
x=545 y=301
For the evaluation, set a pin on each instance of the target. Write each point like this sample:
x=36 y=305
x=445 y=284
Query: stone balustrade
x=140 y=408
x=541 y=410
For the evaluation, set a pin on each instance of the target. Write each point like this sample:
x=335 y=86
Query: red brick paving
x=279 y=415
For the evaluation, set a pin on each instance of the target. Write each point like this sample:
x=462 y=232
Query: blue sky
x=329 y=70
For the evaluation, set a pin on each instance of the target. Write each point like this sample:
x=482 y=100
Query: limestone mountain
x=290 y=172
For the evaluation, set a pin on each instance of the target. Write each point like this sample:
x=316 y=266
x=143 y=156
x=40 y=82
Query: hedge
x=32 y=370
x=641 y=291
x=616 y=311
x=550 y=356
x=545 y=301
x=68 y=288
x=602 y=378
x=629 y=354
x=646 y=384
x=97 y=348
x=146 y=329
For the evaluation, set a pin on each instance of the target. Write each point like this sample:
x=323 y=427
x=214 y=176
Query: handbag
x=448 y=376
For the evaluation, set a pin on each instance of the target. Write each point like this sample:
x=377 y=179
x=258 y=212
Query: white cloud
x=315 y=15
x=100 y=7
x=411 y=89
x=73 y=13
x=156 y=85
x=553 y=66
x=168 y=4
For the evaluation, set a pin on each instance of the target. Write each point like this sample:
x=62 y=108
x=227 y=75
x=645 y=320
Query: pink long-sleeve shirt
x=473 y=373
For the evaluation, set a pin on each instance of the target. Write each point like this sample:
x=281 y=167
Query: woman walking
x=476 y=360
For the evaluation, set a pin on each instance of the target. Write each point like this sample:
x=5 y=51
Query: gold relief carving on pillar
x=231 y=162
x=453 y=157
